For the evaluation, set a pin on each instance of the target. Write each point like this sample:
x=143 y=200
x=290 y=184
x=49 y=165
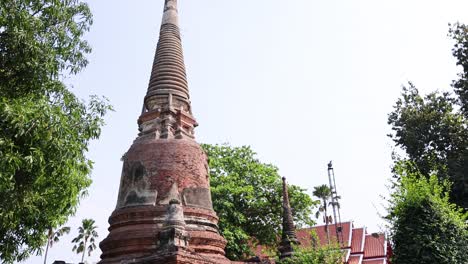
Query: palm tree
x=323 y=192
x=86 y=233
x=54 y=237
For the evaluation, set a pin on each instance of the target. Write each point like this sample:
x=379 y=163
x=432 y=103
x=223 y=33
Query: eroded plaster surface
x=134 y=186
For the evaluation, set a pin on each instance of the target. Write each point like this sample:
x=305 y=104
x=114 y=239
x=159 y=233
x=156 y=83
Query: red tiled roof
x=303 y=235
x=374 y=261
x=357 y=240
x=359 y=247
x=375 y=247
x=355 y=259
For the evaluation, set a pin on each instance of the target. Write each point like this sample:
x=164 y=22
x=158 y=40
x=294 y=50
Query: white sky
x=302 y=82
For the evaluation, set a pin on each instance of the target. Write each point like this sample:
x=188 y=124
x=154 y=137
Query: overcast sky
x=302 y=82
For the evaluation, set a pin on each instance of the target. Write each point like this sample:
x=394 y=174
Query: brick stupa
x=164 y=212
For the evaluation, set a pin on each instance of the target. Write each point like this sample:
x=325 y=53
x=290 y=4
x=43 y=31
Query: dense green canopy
x=45 y=129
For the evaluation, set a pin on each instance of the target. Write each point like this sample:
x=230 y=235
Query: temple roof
x=357 y=241
x=355 y=259
x=304 y=234
x=374 y=246
x=359 y=247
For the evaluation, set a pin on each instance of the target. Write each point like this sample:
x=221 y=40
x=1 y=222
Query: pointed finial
x=170 y=15
x=167 y=112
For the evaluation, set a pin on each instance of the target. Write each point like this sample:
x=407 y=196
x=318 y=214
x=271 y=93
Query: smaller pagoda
x=288 y=237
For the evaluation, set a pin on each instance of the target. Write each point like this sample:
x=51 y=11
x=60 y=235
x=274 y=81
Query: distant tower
x=335 y=204
x=164 y=212
x=288 y=238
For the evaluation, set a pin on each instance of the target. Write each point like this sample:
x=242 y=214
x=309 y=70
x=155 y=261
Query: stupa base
x=174 y=255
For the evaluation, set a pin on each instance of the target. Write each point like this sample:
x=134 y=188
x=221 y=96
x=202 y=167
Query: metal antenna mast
x=335 y=204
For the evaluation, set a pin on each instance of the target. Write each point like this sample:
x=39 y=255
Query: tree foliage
x=39 y=39
x=86 y=239
x=433 y=129
x=425 y=226
x=45 y=129
x=323 y=192
x=326 y=254
x=54 y=237
x=434 y=136
x=459 y=33
x=247 y=197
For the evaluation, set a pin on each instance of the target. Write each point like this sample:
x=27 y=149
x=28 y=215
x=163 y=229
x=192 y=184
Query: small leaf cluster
x=325 y=254
x=247 y=196
x=425 y=227
x=54 y=235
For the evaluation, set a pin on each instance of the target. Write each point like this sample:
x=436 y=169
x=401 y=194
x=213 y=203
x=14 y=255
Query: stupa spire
x=164 y=212
x=168 y=74
x=167 y=110
x=288 y=237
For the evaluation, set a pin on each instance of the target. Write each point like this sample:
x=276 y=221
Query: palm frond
x=86 y=232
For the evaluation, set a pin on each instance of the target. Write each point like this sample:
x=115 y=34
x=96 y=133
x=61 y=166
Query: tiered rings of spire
x=167 y=111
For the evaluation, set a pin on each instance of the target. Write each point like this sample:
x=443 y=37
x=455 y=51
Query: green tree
x=44 y=128
x=425 y=227
x=434 y=135
x=86 y=234
x=433 y=129
x=54 y=237
x=247 y=197
x=323 y=192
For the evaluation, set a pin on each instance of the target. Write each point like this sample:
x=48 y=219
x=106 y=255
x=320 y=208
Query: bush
x=425 y=227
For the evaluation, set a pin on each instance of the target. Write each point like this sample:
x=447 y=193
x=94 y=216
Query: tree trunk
x=84 y=250
x=46 y=250
x=326 y=221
